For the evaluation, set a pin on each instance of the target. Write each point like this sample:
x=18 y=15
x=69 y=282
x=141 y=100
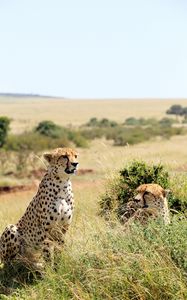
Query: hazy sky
x=94 y=48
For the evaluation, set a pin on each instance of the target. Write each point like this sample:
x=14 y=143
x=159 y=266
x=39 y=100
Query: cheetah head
x=62 y=161
x=151 y=196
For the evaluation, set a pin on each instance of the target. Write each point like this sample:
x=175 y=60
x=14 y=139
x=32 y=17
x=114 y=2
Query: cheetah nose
x=74 y=164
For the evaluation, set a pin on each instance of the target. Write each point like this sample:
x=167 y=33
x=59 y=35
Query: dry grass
x=26 y=113
x=101 y=262
x=104 y=158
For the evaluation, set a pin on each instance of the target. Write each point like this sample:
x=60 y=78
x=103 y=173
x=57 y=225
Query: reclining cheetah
x=150 y=202
x=48 y=215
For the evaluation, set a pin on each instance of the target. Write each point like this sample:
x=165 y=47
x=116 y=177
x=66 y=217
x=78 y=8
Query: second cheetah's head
x=151 y=195
x=63 y=161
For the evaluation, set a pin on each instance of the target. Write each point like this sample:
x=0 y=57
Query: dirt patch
x=12 y=189
x=37 y=174
x=85 y=171
x=181 y=168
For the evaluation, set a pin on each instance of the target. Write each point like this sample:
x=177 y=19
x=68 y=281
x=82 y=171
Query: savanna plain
x=101 y=258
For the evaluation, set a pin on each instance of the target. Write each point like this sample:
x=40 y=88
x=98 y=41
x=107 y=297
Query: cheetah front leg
x=10 y=244
x=48 y=251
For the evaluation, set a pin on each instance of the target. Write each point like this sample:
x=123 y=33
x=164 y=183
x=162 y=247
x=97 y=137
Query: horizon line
x=37 y=95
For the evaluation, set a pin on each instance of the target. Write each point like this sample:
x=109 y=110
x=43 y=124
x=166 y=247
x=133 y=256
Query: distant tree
x=4 y=127
x=175 y=109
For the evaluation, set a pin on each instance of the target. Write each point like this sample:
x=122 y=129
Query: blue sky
x=94 y=48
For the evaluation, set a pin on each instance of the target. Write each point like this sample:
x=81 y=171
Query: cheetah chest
x=64 y=211
x=61 y=208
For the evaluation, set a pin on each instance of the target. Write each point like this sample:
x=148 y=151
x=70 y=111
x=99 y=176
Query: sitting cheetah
x=150 y=202
x=48 y=215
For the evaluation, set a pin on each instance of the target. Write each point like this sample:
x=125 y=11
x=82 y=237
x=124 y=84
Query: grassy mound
x=122 y=188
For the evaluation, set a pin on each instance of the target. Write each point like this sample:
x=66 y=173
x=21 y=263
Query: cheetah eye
x=64 y=156
x=146 y=193
x=136 y=200
x=75 y=156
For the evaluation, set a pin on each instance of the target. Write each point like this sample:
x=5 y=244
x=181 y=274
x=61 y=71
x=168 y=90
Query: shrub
x=123 y=136
x=140 y=122
x=131 y=121
x=5 y=161
x=4 y=127
x=129 y=136
x=122 y=189
x=30 y=141
x=141 y=130
x=78 y=139
x=94 y=122
x=107 y=123
x=167 y=122
x=50 y=129
x=93 y=133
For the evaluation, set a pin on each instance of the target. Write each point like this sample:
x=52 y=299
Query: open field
x=103 y=260
x=104 y=157
x=26 y=113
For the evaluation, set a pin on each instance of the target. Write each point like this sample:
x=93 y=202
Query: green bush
x=167 y=122
x=93 y=133
x=94 y=122
x=30 y=141
x=78 y=139
x=131 y=121
x=122 y=189
x=141 y=130
x=124 y=136
x=4 y=128
x=131 y=136
x=50 y=129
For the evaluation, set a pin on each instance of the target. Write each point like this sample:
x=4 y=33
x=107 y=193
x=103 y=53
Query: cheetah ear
x=48 y=157
x=166 y=192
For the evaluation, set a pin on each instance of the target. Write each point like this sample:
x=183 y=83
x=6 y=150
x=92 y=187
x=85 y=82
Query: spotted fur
x=48 y=215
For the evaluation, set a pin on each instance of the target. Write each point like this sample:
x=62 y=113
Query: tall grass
x=113 y=263
x=103 y=260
